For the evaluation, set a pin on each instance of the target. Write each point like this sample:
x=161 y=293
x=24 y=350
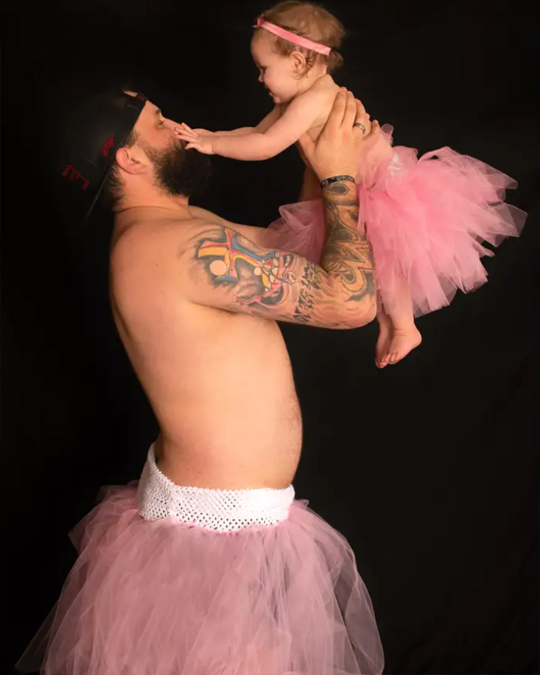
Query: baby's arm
x=192 y=135
x=263 y=125
x=243 y=131
x=259 y=145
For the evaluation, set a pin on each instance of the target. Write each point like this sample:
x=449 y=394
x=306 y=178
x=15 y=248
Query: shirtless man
x=209 y=566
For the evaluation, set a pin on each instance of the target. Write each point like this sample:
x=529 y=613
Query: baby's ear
x=299 y=62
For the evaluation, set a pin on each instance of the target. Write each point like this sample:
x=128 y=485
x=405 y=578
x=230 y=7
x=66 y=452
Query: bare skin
x=304 y=96
x=397 y=337
x=219 y=382
x=196 y=300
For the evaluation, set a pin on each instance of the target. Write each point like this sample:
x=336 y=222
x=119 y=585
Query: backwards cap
x=96 y=129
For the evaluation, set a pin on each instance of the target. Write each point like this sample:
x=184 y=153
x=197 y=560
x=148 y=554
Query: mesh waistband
x=218 y=510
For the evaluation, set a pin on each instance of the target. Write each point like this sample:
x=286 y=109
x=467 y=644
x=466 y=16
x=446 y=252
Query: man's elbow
x=345 y=316
x=366 y=314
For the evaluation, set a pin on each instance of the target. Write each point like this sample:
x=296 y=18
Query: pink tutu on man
x=174 y=580
x=427 y=220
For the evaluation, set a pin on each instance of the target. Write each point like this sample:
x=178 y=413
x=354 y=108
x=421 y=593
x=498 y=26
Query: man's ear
x=128 y=160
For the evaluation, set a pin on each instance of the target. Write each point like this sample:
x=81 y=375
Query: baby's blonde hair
x=310 y=21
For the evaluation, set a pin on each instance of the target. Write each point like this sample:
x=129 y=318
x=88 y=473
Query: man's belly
x=254 y=444
x=226 y=404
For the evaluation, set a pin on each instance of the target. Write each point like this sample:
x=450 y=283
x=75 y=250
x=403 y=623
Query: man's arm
x=218 y=267
x=347 y=255
x=258 y=235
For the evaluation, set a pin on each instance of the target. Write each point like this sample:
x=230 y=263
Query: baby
x=425 y=218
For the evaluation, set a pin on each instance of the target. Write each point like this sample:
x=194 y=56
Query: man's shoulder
x=147 y=252
x=153 y=251
x=257 y=235
x=150 y=236
x=149 y=267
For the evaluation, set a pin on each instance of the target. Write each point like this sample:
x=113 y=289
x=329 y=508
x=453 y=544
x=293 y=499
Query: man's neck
x=167 y=206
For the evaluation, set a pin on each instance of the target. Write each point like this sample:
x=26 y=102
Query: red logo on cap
x=108 y=145
x=74 y=176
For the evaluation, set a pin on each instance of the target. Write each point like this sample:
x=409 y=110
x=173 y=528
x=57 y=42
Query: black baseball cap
x=94 y=131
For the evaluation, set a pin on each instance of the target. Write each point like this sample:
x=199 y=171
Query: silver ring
x=360 y=126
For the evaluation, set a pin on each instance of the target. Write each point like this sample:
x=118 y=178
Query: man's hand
x=336 y=150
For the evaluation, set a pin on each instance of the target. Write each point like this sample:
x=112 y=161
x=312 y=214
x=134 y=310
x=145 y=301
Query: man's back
x=220 y=383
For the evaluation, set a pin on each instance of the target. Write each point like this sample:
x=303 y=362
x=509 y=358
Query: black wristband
x=335 y=179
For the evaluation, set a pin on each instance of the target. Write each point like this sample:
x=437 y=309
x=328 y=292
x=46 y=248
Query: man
x=209 y=566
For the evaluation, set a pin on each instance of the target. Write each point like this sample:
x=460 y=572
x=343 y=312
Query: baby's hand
x=198 y=139
x=199 y=132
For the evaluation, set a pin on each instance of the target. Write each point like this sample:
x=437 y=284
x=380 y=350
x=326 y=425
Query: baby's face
x=277 y=72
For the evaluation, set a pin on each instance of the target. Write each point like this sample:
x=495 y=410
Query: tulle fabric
x=165 y=598
x=427 y=220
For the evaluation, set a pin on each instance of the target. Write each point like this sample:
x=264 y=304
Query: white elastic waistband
x=218 y=510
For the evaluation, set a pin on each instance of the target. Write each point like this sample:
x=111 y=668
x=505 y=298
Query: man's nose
x=261 y=78
x=171 y=124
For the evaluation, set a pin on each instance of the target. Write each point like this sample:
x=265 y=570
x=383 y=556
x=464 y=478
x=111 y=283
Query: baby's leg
x=398 y=332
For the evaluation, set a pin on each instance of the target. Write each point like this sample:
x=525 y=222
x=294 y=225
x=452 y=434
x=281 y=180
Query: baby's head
x=287 y=69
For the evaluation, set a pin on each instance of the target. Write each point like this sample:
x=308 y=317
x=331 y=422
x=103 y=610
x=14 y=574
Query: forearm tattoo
x=347 y=253
x=310 y=289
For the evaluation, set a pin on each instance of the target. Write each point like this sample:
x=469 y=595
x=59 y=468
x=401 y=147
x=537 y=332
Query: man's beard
x=179 y=171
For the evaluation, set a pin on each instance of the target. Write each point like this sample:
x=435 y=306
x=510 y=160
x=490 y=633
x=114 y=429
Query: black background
x=430 y=468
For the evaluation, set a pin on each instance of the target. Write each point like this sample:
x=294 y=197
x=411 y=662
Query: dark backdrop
x=430 y=468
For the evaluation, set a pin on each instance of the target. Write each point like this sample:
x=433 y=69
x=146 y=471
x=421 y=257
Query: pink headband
x=292 y=37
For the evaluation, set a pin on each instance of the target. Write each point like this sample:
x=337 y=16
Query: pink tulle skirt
x=165 y=597
x=426 y=219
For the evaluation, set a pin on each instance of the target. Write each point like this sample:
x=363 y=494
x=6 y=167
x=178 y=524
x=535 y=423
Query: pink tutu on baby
x=175 y=580
x=426 y=220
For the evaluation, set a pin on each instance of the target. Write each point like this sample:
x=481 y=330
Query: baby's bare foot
x=400 y=344
x=383 y=341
